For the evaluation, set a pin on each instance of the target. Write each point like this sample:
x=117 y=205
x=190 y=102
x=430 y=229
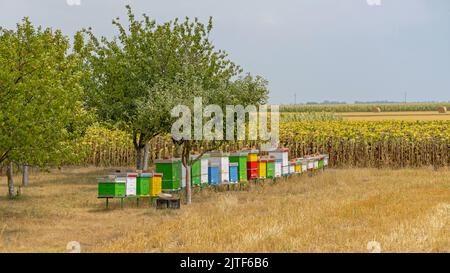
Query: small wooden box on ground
x=171 y=173
x=168 y=203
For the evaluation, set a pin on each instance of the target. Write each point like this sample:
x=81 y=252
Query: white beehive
x=131 y=183
x=221 y=160
x=310 y=163
x=283 y=155
x=278 y=168
x=204 y=170
x=182 y=172
x=304 y=164
x=316 y=162
x=183 y=176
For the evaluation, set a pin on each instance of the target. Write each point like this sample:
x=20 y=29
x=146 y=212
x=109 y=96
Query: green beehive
x=241 y=159
x=108 y=187
x=199 y=170
x=143 y=184
x=321 y=161
x=196 y=173
x=171 y=170
x=270 y=168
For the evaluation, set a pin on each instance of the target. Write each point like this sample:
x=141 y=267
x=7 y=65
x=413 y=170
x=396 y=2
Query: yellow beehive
x=298 y=166
x=252 y=157
x=156 y=184
x=262 y=168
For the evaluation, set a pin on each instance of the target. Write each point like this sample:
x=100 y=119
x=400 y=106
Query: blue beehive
x=213 y=174
x=234 y=172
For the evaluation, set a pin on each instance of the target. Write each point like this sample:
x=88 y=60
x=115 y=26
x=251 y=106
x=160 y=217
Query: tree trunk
x=145 y=165
x=186 y=150
x=138 y=142
x=25 y=175
x=138 y=158
x=9 y=174
x=188 y=183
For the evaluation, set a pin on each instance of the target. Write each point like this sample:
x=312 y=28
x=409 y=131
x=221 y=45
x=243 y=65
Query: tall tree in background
x=131 y=72
x=39 y=96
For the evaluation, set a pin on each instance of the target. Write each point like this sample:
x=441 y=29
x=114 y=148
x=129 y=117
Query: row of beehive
x=130 y=184
x=211 y=169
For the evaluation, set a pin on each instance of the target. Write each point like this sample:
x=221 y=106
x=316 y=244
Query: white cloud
x=73 y=2
x=374 y=2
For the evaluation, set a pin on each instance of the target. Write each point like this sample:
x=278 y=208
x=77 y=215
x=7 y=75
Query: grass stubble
x=340 y=210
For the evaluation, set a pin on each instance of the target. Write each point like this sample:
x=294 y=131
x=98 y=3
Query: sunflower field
x=371 y=144
x=379 y=144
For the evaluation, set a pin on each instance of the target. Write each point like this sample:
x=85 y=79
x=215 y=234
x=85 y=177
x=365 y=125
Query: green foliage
x=137 y=77
x=248 y=90
x=126 y=69
x=39 y=94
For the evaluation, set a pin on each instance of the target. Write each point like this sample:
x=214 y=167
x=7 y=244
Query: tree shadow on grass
x=85 y=178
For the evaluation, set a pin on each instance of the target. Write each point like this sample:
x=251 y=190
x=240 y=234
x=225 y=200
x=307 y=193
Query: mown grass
x=337 y=211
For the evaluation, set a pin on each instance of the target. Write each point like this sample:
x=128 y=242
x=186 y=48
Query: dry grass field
x=336 y=211
x=425 y=115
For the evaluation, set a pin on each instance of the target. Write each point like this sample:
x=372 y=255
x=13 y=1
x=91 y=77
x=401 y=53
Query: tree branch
x=3 y=157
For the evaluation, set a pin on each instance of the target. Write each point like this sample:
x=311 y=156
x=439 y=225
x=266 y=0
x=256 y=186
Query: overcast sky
x=342 y=50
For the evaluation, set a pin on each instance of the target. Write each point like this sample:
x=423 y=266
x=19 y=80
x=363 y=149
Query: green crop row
x=339 y=108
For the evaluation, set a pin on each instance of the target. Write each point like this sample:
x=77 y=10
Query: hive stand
x=168 y=203
x=107 y=197
x=151 y=199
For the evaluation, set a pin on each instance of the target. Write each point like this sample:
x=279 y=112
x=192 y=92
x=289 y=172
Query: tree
x=39 y=93
x=129 y=73
x=140 y=75
x=244 y=91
